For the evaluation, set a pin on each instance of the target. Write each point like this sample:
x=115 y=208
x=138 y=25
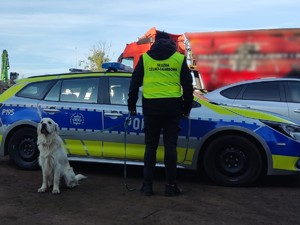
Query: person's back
x=167 y=94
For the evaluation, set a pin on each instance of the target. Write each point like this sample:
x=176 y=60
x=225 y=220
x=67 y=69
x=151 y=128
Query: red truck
x=224 y=57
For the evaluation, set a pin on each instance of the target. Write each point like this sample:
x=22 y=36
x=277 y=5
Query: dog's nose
x=44 y=129
x=44 y=125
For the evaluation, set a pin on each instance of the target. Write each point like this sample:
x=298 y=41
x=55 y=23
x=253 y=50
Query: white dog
x=53 y=158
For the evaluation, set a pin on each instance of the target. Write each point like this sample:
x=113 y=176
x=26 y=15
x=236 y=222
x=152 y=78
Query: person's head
x=163 y=39
x=162 y=35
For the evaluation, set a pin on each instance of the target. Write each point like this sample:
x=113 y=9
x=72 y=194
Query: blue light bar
x=115 y=66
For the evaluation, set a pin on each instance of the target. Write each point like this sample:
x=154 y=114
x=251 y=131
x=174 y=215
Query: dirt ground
x=103 y=199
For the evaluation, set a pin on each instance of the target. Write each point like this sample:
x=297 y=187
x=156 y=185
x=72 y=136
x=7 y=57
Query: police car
x=233 y=146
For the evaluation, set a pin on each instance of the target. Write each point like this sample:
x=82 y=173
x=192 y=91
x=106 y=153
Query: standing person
x=167 y=95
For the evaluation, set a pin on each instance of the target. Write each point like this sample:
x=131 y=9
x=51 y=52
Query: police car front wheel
x=233 y=160
x=23 y=149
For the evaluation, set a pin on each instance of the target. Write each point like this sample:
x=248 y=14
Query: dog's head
x=47 y=126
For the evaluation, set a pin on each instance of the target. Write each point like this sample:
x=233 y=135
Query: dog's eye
x=49 y=122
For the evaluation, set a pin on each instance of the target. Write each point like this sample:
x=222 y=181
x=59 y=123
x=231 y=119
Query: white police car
x=233 y=146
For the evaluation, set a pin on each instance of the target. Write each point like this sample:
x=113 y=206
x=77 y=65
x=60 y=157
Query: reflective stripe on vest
x=162 y=77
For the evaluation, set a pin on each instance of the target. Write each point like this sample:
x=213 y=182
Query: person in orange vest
x=167 y=96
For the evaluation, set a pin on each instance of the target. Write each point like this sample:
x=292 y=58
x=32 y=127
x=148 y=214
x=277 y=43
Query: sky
x=52 y=36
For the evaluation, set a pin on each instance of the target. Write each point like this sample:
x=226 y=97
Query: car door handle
x=114 y=114
x=297 y=110
x=243 y=106
x=51 y=110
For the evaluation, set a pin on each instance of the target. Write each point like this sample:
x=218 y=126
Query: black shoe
x=147 y=189
x=172 y=190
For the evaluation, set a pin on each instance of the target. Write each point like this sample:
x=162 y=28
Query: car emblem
x=77 y=119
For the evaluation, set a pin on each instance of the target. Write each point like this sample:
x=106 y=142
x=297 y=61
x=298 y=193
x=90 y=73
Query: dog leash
x=127 y=120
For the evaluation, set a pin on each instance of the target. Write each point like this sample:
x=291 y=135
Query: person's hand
x=186 y=115
x=132 y=113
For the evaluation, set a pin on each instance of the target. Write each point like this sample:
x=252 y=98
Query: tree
x=99 y=54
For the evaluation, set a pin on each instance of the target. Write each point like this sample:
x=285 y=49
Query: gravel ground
x=103 y=199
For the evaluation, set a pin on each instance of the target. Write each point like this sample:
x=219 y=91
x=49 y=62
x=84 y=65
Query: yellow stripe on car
x=257 y=114
x=284 y=162
x=215 y=108
x=94 y=148
x=112 y=149
x=136 y=152
x=189 y=156
x=75 y=147
x=10 y=92
x=228 y=110
x=69 y=75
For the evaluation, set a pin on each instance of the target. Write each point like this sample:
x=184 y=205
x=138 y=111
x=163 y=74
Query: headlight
x=291 y=130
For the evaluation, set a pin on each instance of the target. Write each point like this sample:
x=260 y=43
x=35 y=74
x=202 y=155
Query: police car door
x=73 y=104
x=293 y=99
x=115 y=124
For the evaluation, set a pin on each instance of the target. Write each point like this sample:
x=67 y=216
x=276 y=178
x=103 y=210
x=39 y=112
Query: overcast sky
x=51 y=36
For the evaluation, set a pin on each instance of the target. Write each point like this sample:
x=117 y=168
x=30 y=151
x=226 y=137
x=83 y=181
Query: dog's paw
x=55 y=191
x=41 y=190
x=72 y=185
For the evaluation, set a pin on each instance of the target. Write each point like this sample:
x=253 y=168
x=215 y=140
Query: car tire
x=23 y=150
x=232 y=160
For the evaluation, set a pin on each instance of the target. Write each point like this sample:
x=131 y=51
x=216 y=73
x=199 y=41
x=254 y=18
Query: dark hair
x=162 y=35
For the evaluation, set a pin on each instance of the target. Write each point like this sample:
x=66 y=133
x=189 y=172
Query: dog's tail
x=79 y=177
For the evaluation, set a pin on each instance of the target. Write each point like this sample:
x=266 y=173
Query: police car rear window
x=232 y=92
x=35 y=90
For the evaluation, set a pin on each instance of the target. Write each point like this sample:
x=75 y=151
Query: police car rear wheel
x=233 y=160
x=22 y=148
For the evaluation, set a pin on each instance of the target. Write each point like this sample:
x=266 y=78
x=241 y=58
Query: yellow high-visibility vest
x=162 y=77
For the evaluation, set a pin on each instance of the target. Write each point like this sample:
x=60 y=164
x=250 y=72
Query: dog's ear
x=56 y=127
x=38 y=129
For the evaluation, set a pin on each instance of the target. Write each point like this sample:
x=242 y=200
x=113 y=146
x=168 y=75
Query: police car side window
x=119 y=87
x=53 y=94
x=293 y=91
x=233 y=92
x=262 y=91
x=83 y=90
x=35 y=90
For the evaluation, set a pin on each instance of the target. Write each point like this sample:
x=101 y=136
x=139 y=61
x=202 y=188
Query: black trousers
x=169 y=126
